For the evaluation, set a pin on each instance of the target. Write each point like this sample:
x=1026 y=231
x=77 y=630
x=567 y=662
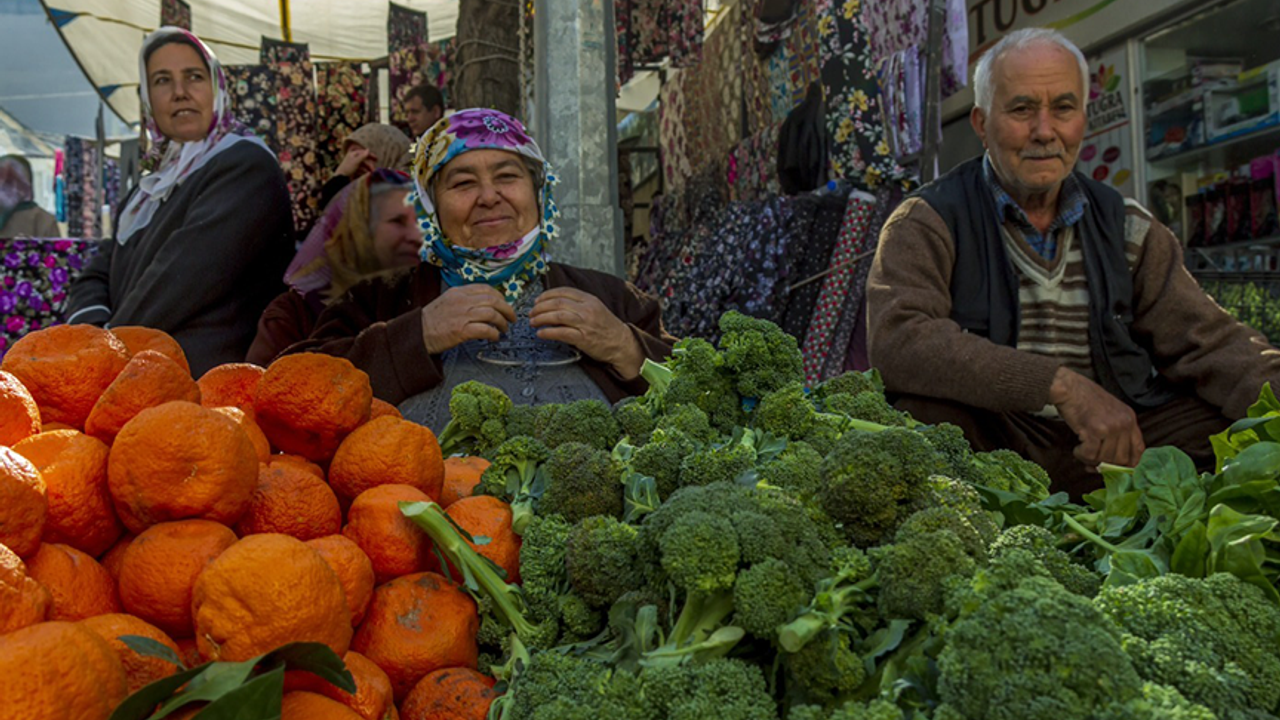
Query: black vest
x=984 y=286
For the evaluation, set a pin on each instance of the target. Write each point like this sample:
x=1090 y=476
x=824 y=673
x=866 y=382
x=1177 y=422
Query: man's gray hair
x=983 y=89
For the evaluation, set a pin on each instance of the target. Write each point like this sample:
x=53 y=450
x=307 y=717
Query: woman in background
x=19 y=214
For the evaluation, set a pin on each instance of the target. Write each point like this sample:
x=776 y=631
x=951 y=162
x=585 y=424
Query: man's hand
x=356 y=162
x=579 y=319
x=467 y=312
x=1107 y=428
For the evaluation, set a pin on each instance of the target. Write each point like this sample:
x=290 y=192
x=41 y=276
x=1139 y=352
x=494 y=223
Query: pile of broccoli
x=734 y=544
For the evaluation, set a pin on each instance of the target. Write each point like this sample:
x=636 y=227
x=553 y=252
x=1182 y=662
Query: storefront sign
x=1106 y=155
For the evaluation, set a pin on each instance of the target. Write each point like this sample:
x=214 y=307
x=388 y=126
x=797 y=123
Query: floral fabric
x=753 y=166
x=665 y=28
x=253 y=100
x=836 y=286
x=296 y=127
x=438 y=67
x=175 y=13
x=622 y=35
x=672 y=144
x=712 y=113
x=898 y=25
x=817 y=220
x=686 y=31
x=80 y=169
x=34 y=277
x=406 y=51
x=340 y=88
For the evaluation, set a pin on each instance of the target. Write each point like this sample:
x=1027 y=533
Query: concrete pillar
x=575 y=124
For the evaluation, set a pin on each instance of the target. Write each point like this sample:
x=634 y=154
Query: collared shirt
x=1071 y=207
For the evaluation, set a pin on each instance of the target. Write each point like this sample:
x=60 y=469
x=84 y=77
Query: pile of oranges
x=223 y=517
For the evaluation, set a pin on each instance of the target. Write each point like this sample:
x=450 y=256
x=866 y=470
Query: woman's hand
x=579 y=319
x=467 y=312
x=353 y=163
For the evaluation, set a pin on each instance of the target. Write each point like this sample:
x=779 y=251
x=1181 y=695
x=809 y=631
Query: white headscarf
x=174 y=161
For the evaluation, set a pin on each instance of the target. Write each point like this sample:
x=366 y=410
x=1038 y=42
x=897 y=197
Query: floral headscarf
x=15 y=186
x=506 y=267
x=390 y=146
x=171 y=162
x=339 y=249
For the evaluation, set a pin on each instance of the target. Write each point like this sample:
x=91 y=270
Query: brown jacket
x=31 y=222
x=920 y=350
x=377 y=325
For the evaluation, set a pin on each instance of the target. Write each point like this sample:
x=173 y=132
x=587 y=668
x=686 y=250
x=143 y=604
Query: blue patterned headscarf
x=507 y=267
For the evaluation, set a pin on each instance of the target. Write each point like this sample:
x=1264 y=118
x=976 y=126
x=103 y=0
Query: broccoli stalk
x=514 y=477
x=477 y=422
x=829 y=609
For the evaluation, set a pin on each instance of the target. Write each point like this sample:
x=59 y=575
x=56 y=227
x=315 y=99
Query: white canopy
x=104 y=35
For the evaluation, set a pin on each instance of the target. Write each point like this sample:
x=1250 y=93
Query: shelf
x=1252 y=143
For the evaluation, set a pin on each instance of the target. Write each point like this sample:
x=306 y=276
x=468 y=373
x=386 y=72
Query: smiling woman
x=202 y=241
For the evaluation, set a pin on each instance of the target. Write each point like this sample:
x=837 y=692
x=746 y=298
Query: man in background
x=423 y=106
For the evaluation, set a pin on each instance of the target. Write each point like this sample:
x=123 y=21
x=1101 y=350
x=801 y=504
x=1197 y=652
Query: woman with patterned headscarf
x=368 y=229
x=368 y=147
x=19 y=214
x=489 y=304
x=202 y=241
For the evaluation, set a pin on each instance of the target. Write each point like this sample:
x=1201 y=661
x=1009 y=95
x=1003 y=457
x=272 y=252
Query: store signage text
x=994 y=18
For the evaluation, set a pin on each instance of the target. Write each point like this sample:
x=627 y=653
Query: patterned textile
x=897 y=25
x=438 y=68
x=757 y=105
x=662 y=28
x=686 y=27
x=340 y=88
x=253 y=99
x=111 y=183
x=296 y=126
x=753 y=166
x=836 y=286
x=859 y=150
x=406 y=53
x=372 y=108
x=817 y=219
x=507 y=267
x=672 y=144
x=712 y=114
x=34 y=276
x=175 y=13
x=622 y=34
x=80 y=169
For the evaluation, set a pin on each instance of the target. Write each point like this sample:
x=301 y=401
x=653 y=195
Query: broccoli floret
x=700 y=552
x=914 y=570
x=794 y=471
x=1213 y=639
x=663 y=457
x=950 y=442
x=787 y=412
x=874 y=480
x=874 y=710
x=851 y=383
x=1024 y=648
x=826 y=431
x=767 y=595
x=512 y=475
x=634 y=418
x=939 y=518
x=827 y=667
x=562 y=686
x=695 y=375
x=759 y=536
x=601 y=561
x=724 y=688
x=963 y=498
x=868 y=405
x=478 y=417
x=1044 y=546
x=691 y=421
x=1162 y=703
x=761 y=357
x=1008 y=471
x=581 y=481
x=722 y=464
x=528 y=420
x=585 y=421
x=579 y=619
x=842 y=598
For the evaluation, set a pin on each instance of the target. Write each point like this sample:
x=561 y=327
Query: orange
x=150 y=379
x=292 y=501
x=188 y=652
x=461 y=475
x=299 y=462
x=232 y=384
x=24 y=507
x=450 y=694
x=485 y=516
x=51 y=426
x=160 y=567
x=19 y=415
x=354 y=570
x=310 y=706
x=265 y=591
x=382 y=408
x=74 y=468
x=114 y=558
x=394 y=544
x=416 y=624
x=81 y=588
x=246 y=423
x=66 y=368
x=387 y=451
x=180 y=460
x=59 y=670
x=372 y=700
x=23 y=600
x=140 y=670
x=137 y=338
x=307 y=403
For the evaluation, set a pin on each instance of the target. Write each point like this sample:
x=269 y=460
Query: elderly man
x=423 y=106
x=1038 y=309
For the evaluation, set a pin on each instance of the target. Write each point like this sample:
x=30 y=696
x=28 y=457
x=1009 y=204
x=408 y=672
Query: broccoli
x=600 y=559
x=1024 y=648
x=634 y=419
x=952 y=520
x=585 y=421
x=842 y=599
x=760 y=356
x=912 y=572
x=530 y=420
x=581 y=481
x=950 y=442
x=554 y=685
x=874 y=480
x=1008 y=471
x=478 y=416
x=694 y=375
x=868 y=405
x=690 y=420
x=1213 y=639
x=827 y=667
x=662 y=459
x=964 y=498
x=723 y=688
x=759 y=536
x=850 y=383
x=1044 y=546
x=579 y=620
x=513 y=477
x=787 y=412
x=700 y=552
x=720 y=464
x=1163 y=703
x=794 y=471
x=767 y=595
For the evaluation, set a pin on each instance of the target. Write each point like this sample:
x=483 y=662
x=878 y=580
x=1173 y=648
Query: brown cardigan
x=377 y=325
x=920 y=350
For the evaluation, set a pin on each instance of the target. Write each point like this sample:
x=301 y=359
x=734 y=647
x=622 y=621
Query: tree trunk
x=488 y=56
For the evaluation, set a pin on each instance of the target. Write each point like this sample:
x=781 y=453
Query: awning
x=104 y=35
x=18 y=139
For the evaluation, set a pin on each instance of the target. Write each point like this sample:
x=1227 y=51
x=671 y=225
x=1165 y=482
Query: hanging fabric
x=175 y=13
x=340 y=88
x=803 y=145
x=671 y=138
x=406 y=52
x=622 y=34
x=83 y=181
x=438 y=67
x=845 y=260
x=817 y=220
x=902 y=25
x=296 y=126
x=253 y=99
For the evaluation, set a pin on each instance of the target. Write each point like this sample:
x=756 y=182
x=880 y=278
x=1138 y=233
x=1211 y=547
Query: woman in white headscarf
x=201 y=244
